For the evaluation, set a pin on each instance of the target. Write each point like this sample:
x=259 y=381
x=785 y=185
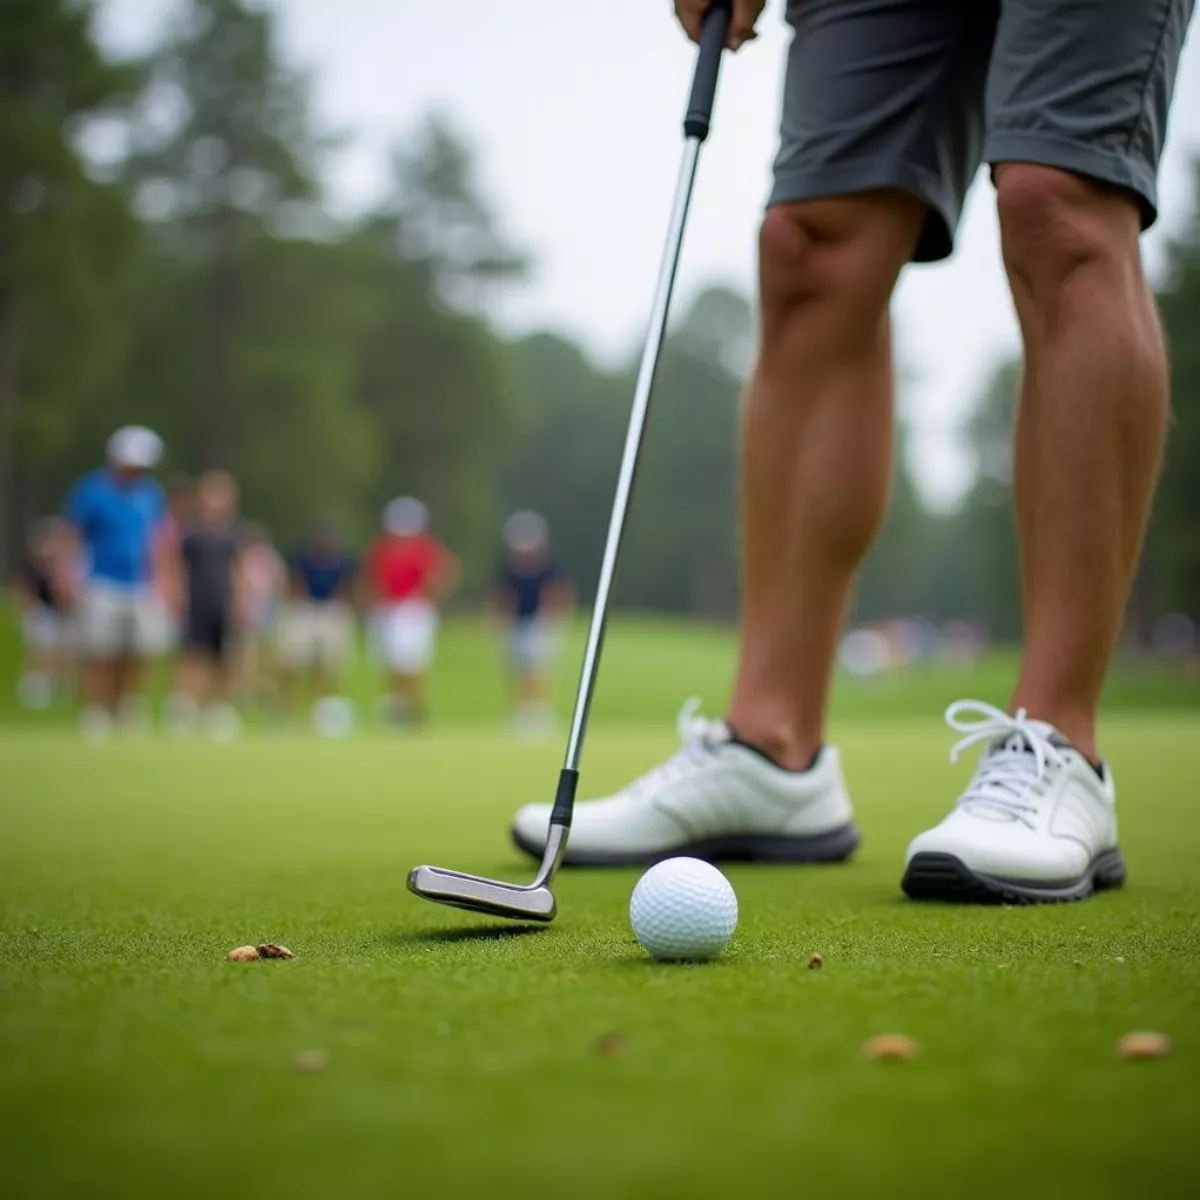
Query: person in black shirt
x=531 y=597
x=209 y=562
x=43 y=595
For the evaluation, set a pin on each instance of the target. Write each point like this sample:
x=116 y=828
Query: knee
x=789 y=256
x=1057 y=228
x=844 y=251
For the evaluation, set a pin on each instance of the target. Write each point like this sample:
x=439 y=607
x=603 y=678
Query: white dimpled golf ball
x=683 y=908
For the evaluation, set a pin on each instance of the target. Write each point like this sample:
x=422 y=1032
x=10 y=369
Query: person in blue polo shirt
x=115 y=513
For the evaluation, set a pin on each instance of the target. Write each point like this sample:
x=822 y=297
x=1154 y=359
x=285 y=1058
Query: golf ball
x=683 y=908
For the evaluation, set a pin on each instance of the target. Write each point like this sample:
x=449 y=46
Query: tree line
x=192 y=277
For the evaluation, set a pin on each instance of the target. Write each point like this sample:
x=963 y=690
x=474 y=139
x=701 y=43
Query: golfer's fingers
x=739 y=35
x=742 y=21
x=691 y=16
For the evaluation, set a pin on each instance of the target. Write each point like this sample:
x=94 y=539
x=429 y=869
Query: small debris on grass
x=611 y=1045
x=816 y=963
x=311 y=1060
x=1078 y=962
x=243 y=954
x=1119 y=959
x=1143 y=1044
x=1003 y=966
x=272 y=950
x=889 y=1047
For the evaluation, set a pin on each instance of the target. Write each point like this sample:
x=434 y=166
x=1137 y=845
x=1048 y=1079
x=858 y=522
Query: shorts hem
x=1106 y=166
x=850 y=178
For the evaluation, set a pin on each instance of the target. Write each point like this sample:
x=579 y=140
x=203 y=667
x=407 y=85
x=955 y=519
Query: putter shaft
x=535 y=902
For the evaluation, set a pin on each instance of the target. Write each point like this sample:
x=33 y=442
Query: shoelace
x=1008 y=776
x=699 y=735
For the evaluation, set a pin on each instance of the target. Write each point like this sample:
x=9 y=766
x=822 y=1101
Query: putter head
x=533 y=902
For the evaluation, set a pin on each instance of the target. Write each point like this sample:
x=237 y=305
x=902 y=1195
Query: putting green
x=465 y=1057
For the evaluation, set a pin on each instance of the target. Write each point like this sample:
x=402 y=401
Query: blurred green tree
x=433 y=378
x=981 y=538
x=61 y=234
x=226 y=154
x=1173 y=546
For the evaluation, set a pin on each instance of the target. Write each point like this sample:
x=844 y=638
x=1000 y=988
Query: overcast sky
x=574 y=110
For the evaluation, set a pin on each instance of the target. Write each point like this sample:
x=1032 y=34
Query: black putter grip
x=564 y=798
x=708 y=66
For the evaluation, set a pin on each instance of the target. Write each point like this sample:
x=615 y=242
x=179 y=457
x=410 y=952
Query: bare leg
x=1089 y=433
x=223 y=679
x=408 y=696
x=192 y=679
x=100 y=683
x=816 y=455
x=39 y=677
x=532 y=687
x=132 y=704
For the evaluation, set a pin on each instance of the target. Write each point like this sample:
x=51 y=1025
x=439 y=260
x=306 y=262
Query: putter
x=535 y=901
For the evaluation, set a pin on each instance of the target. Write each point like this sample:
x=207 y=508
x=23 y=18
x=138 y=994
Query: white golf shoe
x=715 y=799
x=1037 y=822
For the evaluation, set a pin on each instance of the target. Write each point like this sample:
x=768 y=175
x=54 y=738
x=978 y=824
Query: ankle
x=791 y=747
x=1077 y=725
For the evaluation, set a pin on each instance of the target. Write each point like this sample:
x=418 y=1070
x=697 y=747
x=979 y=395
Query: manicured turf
x=136 y=1062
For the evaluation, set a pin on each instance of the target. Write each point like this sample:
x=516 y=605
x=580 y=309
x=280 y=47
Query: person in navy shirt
x=115 y=513
x=531 y=598
x=317 y=630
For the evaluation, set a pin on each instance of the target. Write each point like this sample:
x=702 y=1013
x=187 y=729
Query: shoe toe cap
x=1004 y=851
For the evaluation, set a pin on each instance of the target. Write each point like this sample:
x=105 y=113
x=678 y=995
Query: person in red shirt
x=407 y=573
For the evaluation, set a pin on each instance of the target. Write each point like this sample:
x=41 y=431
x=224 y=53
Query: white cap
x=135 y=446
x=526 y=531
x=405 y=517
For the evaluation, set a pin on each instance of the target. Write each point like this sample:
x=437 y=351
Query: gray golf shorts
x=916 y=94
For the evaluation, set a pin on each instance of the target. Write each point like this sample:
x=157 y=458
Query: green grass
x=136 y=1062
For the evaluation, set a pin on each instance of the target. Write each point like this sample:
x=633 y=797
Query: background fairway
x=652 y=664
x=133 y=1057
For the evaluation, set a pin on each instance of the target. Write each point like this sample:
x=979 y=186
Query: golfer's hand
x=742 y=19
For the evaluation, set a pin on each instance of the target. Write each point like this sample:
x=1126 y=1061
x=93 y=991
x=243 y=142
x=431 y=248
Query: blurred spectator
x=264 y=582
x=209 y=568
x=116 y=512
x=865 y=653
x=45 y=589
x=180 y=489
x=317 y=628
x=963 y=643
x=407 y=574
x=531 y=598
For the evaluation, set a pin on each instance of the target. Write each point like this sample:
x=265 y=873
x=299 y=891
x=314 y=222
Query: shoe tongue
x=1018 y=743
x=1013 y=743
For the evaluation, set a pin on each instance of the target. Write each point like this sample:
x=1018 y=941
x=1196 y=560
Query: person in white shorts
x=531 y=598
x=407 y=574
x=44 y=590
x=115 y=513
x=316 y=631
x=264 y=577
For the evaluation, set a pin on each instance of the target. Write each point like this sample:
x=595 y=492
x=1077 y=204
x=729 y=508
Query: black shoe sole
x=945 y=877
x=835 y=846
